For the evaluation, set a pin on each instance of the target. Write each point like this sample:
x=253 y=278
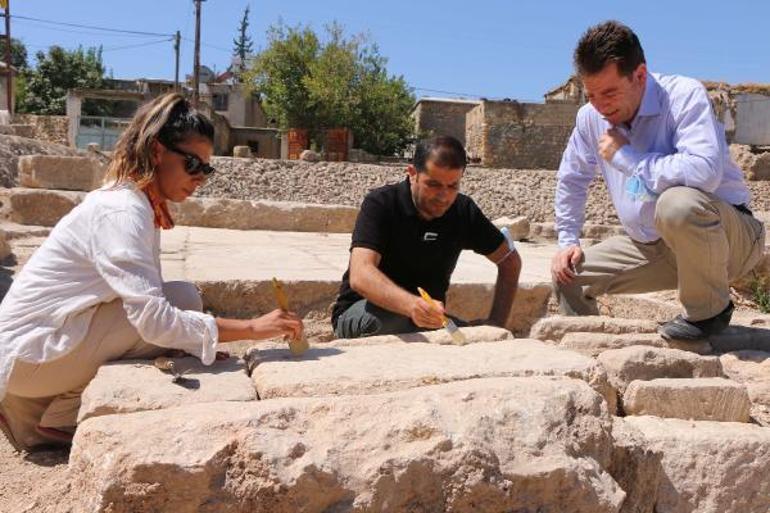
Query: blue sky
x=491 y=48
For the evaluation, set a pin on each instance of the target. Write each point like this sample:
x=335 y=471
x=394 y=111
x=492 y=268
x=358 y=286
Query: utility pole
x=197 y=57
x=8 y=69
x=177 y=40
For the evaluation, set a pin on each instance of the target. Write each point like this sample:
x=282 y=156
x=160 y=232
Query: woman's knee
x=183 y=295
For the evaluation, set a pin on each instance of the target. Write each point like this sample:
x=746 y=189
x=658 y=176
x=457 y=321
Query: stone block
x=646 y=363
x=60 y=172
x=635 y=467
x=351 y=370
x=593 y=344
x=716 y=399
x=5 y=246
x=752 y=368
x=242 y=152
x=136 y=385
x=518 y=227
x=264 y=215
x=472 y=334
x=556 y=326
x=310 y=156
x=523 y=444
x=41 y=207
x=707 y=467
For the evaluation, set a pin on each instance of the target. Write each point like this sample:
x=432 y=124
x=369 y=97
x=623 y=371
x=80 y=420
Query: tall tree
x=338 y=82
x=58 y=71
x=18 y=53
x=242 y=44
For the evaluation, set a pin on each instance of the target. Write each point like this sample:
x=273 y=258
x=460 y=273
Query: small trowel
x=167 y=364
x=297 y=346
x=457 y=336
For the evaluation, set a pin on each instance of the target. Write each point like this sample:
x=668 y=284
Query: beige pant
x=705 y=243
x=48 y=394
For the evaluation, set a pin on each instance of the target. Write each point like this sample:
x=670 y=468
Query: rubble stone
x=518 y=227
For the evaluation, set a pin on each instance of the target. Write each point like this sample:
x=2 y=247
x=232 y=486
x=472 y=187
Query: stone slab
x=708 y=467
x=556 y=326
x=645 y=363
x=515 y=444
x=136 y=385
x=40 y=207
x=375 y=369
x=716 y=399
x=593 y=344
x=60 y=172
x=473 y=335
x=752 y=368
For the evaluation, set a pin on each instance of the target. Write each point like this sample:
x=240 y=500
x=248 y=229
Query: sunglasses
x=192 y=163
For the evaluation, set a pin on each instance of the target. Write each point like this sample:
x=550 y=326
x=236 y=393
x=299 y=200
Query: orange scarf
x=159 y=206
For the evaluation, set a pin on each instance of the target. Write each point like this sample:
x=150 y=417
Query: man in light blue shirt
x=681 y=200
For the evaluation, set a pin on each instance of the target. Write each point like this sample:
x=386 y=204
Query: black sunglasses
x=192 y=163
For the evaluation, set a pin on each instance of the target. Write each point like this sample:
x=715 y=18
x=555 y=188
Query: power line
x=93 y=27
x=114 y=48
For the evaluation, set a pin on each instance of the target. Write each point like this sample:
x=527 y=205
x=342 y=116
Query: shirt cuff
x=207 y=352
x=566 y=240
x=626 y=159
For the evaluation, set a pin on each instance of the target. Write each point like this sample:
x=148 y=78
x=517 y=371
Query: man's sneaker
x=682 y=329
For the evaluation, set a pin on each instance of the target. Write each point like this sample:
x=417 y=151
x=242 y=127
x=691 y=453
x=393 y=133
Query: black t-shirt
x=416 y=252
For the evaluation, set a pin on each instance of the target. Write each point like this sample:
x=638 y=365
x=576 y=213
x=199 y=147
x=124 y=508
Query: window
x=219 y=101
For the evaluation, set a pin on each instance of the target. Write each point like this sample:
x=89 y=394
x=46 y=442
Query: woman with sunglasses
x=93 y=292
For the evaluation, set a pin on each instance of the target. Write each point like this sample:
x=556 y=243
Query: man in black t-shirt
x=410 y=235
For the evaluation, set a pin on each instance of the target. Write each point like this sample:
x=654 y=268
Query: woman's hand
x=277 y=323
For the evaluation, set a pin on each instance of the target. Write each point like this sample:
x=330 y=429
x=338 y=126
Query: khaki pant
x=705 y=243
x=48 y=394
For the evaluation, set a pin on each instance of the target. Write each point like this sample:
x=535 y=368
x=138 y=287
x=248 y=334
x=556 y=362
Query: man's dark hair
x=608 y=42
x=444 y=151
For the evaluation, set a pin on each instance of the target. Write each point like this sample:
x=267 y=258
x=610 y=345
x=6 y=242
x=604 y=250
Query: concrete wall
x=268 y=141
x=753 y=119
x=519 y=135
x=51 y=129
x=442 y=117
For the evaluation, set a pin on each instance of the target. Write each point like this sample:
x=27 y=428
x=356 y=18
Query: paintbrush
x=297 y=346
x=457 y=336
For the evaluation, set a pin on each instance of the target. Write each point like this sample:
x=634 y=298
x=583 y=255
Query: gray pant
x=705 y=243
x=365 y=319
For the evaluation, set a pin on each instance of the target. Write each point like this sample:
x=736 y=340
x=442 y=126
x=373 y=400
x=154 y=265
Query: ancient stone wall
x=442 y=117
x=519 y=135
x=45 y=128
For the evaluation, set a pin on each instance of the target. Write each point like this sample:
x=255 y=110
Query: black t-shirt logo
x=429 y=236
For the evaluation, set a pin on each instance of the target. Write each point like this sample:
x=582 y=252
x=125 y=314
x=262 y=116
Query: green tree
x=242 y=44
x=340 y=82
x=18 y=53
x=58 y=71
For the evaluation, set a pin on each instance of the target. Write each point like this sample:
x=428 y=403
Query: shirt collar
x=650 y=105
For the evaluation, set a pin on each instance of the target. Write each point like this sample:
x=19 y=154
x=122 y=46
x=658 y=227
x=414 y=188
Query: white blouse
x=105 y=248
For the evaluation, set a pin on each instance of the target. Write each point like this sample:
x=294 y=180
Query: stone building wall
x=51 y=129
x=519 y=135
x=442 y=117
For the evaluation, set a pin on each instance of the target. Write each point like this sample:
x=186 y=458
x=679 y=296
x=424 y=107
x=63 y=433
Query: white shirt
x=675 y=139
x=105 y=248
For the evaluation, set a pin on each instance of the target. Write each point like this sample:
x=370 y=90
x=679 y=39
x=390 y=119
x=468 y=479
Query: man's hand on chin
x=610 y=143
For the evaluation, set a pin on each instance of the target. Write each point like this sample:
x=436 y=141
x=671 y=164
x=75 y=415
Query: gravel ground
x=499 y=192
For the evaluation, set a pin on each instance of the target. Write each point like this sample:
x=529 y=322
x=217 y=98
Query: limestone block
x=752 y=368
x=542 y=231
x=243 y=152
x=646 y=363
x=264 y=215
x=5 y=246
x=593 y=344
x=136 y=385
x=309 y=156
x=518 y=227
x=60 y=172
x=351 y=370
x=41 y=207
x=708 y=467
x=715 y=399
x=472 y=334
x=635 y=467
x=555 y=327
x=515 y=444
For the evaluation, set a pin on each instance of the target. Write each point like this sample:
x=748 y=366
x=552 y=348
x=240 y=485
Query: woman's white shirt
x=105 y=248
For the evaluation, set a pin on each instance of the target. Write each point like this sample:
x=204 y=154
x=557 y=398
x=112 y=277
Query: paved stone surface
x=593 y=344
x=708 y=467
x=375 y=369
x=715 y=399
x=556 y=326
x=752 y=368
x=523 y=444
x=136 y=385
x=645 y=363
